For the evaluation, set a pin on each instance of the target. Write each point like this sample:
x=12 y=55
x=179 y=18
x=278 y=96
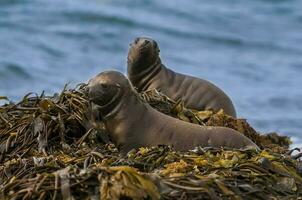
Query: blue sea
x=250 y=49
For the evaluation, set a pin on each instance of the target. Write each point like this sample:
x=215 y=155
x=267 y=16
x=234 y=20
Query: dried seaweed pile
x=55 y=148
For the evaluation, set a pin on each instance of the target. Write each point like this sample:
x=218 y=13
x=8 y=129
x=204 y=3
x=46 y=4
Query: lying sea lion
x=131 y=123
x=146 y=71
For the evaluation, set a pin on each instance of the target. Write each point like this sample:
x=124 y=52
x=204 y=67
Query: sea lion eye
x=155 y=45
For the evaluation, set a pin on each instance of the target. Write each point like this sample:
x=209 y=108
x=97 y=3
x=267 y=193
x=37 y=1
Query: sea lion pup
x=131 y=123
x=146 y=71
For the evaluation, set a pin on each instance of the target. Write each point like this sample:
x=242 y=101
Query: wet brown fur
x=132 y=123
x=146 y=71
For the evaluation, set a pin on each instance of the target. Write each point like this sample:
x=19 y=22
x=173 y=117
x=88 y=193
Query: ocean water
x=250 y=49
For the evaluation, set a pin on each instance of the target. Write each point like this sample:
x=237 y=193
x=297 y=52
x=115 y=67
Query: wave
x=12 y=70
x=151 y=27
x=89 y=17
x=10 y=2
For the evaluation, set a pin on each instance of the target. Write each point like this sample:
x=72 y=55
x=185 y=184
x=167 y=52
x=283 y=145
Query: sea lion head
x=106 y=89
x=143 y=53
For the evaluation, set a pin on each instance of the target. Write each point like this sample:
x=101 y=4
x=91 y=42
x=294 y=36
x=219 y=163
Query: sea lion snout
x=143 y=51
x=142 y=42
x=101 y=94
x=106 y=87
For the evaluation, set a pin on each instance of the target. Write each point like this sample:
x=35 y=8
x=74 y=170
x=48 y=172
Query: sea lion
x=146 y=71
x=131 y=123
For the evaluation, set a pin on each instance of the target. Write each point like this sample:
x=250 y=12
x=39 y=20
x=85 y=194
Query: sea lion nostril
x=136 y=40
x=146 y=42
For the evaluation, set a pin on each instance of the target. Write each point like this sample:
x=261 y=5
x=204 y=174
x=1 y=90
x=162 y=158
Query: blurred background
x=250 y=49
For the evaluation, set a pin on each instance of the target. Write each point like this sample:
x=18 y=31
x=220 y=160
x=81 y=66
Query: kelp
x=56 y=147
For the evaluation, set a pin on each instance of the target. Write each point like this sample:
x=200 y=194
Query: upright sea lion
x=146 y=71
x=131 y=123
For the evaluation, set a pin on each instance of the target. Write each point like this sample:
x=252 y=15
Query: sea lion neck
x=110 y=109
x=120 y=119
x=140 y=77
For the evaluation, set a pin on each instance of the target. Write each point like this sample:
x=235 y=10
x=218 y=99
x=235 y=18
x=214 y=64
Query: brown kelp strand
x=56 y=147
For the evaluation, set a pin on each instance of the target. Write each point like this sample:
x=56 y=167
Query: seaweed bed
x=57 y=148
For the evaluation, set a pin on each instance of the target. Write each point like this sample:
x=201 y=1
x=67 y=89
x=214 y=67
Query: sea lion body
x=146 y=71
x=132 y=123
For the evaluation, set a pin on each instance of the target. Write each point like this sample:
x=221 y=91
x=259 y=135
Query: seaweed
x=56 y=147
